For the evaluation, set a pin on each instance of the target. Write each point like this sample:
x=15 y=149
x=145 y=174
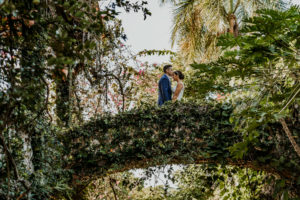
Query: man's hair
x=166 y=67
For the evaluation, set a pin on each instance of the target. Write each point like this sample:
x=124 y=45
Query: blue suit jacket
x=164 y=90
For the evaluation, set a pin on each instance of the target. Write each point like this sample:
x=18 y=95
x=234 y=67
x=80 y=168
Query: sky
x=152 y=33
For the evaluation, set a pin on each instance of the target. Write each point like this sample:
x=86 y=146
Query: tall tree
x=198 y=23
x=40 y=39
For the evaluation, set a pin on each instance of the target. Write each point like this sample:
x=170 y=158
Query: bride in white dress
x=179 y=89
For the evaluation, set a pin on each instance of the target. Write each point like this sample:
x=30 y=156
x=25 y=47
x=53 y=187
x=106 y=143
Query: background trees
x=265 y=62
x=198 y=24
x=63 y=62
x=46 y=48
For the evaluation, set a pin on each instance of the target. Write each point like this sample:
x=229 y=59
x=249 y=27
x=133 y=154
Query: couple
x=164 y=86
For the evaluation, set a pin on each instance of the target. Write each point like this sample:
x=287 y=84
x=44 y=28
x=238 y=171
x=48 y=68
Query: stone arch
x=174 y=134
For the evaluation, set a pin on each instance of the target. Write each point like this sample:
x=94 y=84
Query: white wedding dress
x=180 y=93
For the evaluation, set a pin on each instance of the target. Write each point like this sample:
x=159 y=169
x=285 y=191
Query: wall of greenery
x=63 y=65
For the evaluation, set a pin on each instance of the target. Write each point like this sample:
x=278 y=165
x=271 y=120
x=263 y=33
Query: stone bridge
x=175 y=134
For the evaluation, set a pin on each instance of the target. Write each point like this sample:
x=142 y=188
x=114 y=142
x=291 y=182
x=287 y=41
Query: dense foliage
x=48 y=49
x=74 y=108
x=177 y=134
x=198 y=24
x=260 y=72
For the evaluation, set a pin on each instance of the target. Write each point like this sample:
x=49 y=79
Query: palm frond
x=197 y=23
x=182 y=17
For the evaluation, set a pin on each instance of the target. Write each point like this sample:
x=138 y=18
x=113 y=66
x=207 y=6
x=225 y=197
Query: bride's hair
x=179 y=74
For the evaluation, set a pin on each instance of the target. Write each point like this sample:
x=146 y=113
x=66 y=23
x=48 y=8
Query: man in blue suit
x=164 y=86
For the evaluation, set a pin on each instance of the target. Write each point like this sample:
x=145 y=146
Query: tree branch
x=113 y=189
x=13 y=163
x=47 y=98
x=289 y=134
x=236 y=6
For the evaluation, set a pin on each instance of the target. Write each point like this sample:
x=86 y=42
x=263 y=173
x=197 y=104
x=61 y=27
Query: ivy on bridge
x=182 y=133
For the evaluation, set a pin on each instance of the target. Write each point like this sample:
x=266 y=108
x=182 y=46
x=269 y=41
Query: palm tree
x=198 y=23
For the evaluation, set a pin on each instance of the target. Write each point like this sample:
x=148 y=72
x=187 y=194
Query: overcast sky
x=152 y=33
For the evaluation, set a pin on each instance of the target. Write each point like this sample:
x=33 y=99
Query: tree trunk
x=62 y=101
x=27 y=152
x=28 y=155
x=289 y=135
x=233 y=25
